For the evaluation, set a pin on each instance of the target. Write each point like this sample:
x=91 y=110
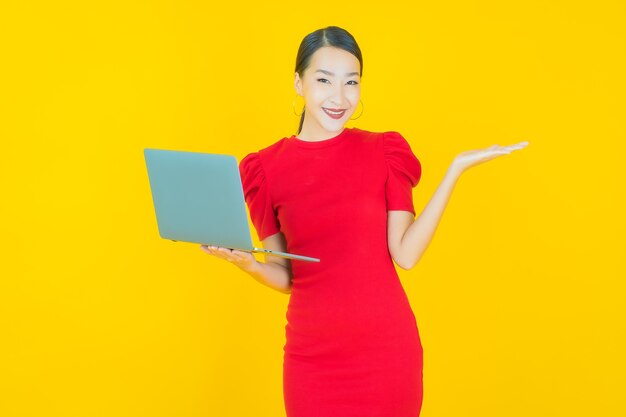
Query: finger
x=214 y=250
x=206 y=249
x=496 y=154
x=519 y=145
x=228 y=254
x=515 y=148
x=241 y=254
x=224 y=251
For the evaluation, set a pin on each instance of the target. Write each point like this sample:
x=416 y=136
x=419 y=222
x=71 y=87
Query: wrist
x=454 y=171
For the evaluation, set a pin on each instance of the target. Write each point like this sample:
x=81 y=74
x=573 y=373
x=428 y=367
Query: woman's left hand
x=471 y=158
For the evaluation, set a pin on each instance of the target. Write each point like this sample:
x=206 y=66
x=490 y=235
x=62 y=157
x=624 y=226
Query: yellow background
x=519 y=299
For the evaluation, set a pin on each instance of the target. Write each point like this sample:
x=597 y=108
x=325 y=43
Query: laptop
x=198 y=198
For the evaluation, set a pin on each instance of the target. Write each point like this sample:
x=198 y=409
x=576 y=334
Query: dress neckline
x=320 y=143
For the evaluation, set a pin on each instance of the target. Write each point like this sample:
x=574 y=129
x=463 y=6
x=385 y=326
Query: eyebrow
x=330 y=73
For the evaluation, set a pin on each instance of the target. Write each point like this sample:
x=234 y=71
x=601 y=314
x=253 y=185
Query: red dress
x=352 y=343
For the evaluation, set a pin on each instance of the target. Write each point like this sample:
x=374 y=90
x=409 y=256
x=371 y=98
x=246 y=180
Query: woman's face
x=330 y=83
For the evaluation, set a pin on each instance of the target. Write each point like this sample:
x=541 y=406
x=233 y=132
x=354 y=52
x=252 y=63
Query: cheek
x=354 y=97
x=316 y=98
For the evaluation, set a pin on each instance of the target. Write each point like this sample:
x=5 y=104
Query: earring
x=362 y=108
x=294 y=107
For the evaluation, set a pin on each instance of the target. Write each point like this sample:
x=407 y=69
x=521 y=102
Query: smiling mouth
x=334 y=113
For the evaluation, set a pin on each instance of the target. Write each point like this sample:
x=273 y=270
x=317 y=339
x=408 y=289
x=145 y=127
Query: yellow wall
x=519 y=299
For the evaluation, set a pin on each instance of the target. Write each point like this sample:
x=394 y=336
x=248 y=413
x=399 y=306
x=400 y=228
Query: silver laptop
x=198 y=198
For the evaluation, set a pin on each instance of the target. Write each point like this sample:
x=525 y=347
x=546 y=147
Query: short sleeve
x=257 y=196
x=403 y=172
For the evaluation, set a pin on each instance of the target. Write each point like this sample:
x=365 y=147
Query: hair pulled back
x=328 y=36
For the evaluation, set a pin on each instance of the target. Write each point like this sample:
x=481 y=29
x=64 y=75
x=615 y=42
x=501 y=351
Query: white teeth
x=334 y=112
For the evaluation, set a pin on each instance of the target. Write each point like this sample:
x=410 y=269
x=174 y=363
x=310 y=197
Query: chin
x=335 y=125
x=336 y=128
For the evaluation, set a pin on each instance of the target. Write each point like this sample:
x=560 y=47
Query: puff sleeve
x=404 y=171
x=257 y=196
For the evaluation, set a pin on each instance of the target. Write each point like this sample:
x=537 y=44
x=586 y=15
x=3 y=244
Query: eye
x=351 y=81
x=320 y=79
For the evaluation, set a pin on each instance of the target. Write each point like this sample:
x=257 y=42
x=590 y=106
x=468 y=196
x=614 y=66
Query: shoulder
x=393 y=140
x=364 y=135
x=391 y=143
x=254 y=161
x=387 y=138
x=396 y=147
x=399 y=156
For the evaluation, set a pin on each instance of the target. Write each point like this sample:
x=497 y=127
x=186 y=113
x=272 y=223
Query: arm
x=274 y=273
x=408 y=237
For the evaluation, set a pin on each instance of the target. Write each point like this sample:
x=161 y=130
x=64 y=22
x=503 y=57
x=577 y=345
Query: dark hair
x=328 y=36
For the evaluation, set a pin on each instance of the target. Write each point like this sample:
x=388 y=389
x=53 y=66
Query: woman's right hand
x=243 y=260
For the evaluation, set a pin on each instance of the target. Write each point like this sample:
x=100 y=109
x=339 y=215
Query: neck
x=316 y=133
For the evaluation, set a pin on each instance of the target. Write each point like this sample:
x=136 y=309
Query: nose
x=337 y=98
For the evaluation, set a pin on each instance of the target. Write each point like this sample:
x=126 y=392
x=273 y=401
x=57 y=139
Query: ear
x=298 y=84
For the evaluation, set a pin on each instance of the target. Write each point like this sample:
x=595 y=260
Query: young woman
x=343 y=195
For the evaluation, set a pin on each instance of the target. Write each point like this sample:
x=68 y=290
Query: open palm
x=468 y=159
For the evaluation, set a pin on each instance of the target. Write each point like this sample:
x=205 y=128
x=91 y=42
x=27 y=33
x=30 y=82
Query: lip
x=335 y=116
